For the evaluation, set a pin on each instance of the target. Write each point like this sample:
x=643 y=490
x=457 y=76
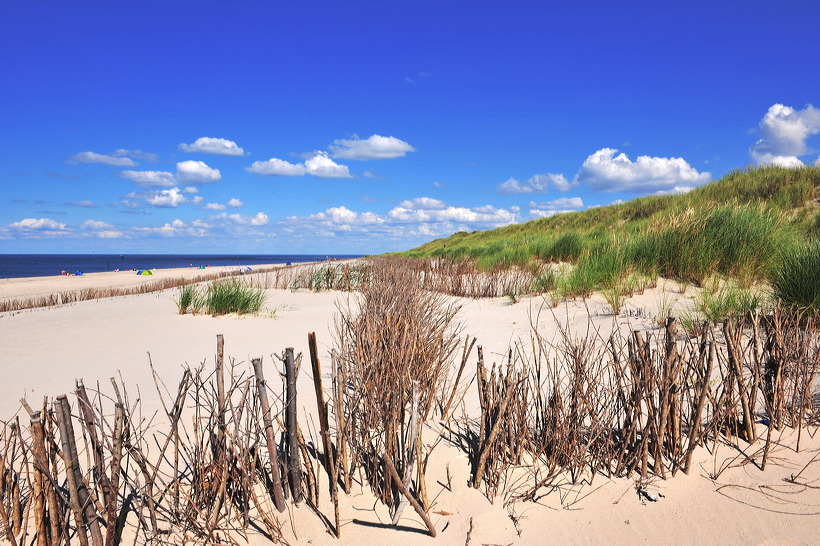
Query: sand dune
x=42 y=352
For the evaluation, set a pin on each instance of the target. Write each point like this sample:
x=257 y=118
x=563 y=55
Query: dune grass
x=750 y=226
x=232 y=296
x=221 y=298
x=797 y=281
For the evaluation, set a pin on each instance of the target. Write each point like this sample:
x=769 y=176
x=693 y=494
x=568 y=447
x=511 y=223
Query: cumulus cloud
x=260 y=219
x=424 y=203
x=342 y=216
x=170 y=198
x=95 y=224
x=321 y=166
x=557 y=206
x=167 y=198
x=150 y=179
x=783 y=134
x=605 y=171
x=189 y=172
x=409 y=223
x=197 y=172
x=101 y=229
x=677 y=190
x=374 y=147
x=215 y=206
x=173 y=229
x=38 y=224
x=487 y=216
x=276 y=167
x=234 y=202
x=91 y=157
x=139 y=154
x=208 y=145
x=539 y=183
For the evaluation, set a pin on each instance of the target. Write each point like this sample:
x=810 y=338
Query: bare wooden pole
x=70 y=458
x=294 y=462
x=484 y=451
x=111 y=531
x=735 y=360
x=39 y=485
x=278 y=493
x=464 y=357
x=90 y=426
x=320 y=402
x=388 y=463
x=339 y=393
x=218 y=447
x=694 y=434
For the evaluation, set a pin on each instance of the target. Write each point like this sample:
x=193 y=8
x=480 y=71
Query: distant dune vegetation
x=752 y=228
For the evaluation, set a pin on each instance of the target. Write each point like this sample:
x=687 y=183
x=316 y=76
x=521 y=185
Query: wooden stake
x=403 y=490
x=320 y=403
x=294 y=462
x=78 y=496
x=111 y=532
x=278 y=493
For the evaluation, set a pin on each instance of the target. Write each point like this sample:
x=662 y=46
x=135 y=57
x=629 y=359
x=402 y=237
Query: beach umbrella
x=144 y=272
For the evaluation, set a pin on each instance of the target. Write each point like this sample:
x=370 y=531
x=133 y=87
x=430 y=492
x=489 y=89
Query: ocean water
x=44 y=265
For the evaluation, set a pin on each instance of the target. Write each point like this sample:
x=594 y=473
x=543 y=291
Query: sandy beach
x=43 y=351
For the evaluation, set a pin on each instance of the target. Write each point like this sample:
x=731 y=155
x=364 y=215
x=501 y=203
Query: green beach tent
x=144 y=272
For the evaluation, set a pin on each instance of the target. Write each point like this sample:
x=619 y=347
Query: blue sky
x=364 y=127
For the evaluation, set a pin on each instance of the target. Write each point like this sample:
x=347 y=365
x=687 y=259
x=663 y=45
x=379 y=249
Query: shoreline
x=30 y=288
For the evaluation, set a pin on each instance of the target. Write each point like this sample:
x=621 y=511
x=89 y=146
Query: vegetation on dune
x=750 y=226
x=797 y=281
x=221 y=298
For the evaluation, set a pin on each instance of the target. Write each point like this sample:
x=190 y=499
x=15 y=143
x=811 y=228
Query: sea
x=45 y=265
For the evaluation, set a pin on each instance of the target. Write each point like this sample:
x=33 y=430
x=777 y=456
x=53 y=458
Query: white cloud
x=191 y=190
x=91 y=157
x=109 y=234
x=374 y=147
x=344 y=216
x=150 y=179
x=208 y=145
x=95 y=225
x=424 y=203
x=214 y=206
x=604 y=171
x=557 y=206
x=486 y=216
x=783 y=134
x=166 y=198
x=318 y=165
x=538 y=183
x=260 y=219
x=139 y=154
x=197 y=172
x=276 y=167
x=321 y=166
x=38 y=224
x=677 y=190
x=234 y=202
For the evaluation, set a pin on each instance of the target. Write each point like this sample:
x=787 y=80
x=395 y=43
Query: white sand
x=42 y=351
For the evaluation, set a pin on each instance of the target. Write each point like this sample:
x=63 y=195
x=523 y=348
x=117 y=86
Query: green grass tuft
x=797 y=281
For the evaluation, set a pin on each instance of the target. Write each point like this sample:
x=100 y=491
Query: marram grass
x=745 y=227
